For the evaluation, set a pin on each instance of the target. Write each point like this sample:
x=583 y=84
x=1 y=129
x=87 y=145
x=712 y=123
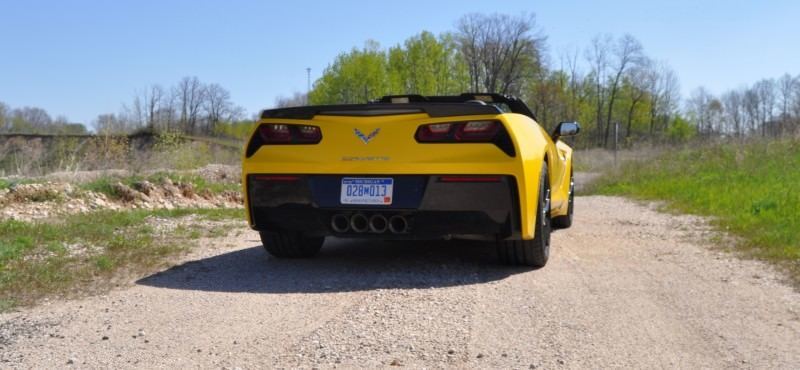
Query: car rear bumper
x=430 y=208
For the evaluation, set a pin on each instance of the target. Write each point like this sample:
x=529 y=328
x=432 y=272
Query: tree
x=500 y=51
x=190 y=94
x=706 y=110
x=426 y=65
x=354 y=77
x=628 y=54
x=218 y=106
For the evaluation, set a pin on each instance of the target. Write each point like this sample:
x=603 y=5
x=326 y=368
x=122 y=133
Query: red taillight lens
x=435 y=132
x=309 y=134
x=477 y=131
x=275 y=133
x=282 y=133
x=472 y=131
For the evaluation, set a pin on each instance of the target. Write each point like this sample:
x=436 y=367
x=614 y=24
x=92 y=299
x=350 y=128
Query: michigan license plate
x=367 y=190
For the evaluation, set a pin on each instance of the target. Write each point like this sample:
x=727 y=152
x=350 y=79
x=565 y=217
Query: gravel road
x=625 y=287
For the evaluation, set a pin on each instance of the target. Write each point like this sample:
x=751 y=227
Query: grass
x=105 y=184
x=84 y=251
x=751 y=190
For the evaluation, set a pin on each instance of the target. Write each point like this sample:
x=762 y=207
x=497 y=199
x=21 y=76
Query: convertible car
x=411 y=167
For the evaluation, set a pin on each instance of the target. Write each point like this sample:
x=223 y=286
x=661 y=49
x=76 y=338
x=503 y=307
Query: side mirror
x=566 y=129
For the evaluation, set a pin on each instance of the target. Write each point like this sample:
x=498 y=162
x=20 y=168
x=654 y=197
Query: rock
x=187 y=190
x=105 y=337
x=145 y=187
x=126 y=193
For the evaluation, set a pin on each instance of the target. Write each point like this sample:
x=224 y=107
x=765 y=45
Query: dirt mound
x=28 y=202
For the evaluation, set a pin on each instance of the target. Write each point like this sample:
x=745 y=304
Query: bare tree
x=732 y=103
x=109 y=124
x=597 y=56
x=190 y=94
x=218 y=106
x=499 y=50
x=627 y=54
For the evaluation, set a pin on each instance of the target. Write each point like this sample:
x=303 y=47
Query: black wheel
x=564 y=222
x=533 y=252
x=290 y=244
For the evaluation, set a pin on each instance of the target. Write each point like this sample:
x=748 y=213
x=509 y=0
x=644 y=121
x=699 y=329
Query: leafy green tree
x=354 y=77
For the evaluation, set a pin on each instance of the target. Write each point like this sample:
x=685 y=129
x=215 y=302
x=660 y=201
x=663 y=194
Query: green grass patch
x=105 y=184
x=751 y=190
x=81 y=252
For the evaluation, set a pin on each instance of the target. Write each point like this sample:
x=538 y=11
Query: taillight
x=487 y=131
x=477 y=131
x=275 y=133
x=473 y=131
x=435 y=132
x=281 y=133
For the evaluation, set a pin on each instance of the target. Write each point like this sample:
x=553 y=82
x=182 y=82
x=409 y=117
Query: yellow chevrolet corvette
x=410 y=167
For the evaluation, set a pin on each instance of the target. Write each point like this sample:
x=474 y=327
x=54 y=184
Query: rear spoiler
x=434 y=106
x=381 y=109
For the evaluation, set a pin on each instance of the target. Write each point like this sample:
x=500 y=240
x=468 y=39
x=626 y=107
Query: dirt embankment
x=61 y=194
x=626 y=286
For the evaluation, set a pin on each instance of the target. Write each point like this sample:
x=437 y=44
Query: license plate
x=367 y=190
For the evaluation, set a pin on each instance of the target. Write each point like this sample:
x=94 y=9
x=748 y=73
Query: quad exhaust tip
x=340 y=223
x=398 y=224
x=378 y=224
x=359 y=223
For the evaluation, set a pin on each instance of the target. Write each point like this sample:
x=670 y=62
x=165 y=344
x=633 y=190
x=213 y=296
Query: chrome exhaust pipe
x=340 y=223
x=398 y=224
x=359 y=223
x=378 y=224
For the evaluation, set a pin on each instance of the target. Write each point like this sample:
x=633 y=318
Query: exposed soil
x=626 y=286
x=57 y=196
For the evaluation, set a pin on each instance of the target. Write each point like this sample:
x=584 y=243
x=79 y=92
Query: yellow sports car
x=410 y=167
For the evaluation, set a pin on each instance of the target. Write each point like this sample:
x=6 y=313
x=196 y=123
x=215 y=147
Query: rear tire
x=535 y=252
x=564 y=222
x=287 y=244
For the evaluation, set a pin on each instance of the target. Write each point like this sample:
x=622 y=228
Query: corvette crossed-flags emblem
x=366 y=138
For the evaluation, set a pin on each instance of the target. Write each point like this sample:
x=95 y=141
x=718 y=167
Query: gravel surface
x=625 y=287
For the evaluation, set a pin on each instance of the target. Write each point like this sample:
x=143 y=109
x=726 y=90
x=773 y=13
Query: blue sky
x=81 y=58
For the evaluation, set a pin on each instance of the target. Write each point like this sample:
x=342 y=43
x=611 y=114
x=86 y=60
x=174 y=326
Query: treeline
x=34 y=120
x=190 y=107
x=611 y=82
x=770 y=107
x=611 y=85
